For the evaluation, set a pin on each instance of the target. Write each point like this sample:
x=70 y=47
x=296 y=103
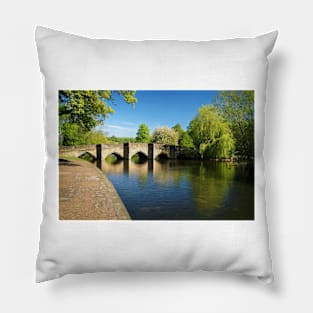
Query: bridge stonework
x=77 y=151
x=104 y=150
x=125 y=151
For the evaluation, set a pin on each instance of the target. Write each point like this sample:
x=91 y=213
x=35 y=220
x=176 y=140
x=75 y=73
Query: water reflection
x=183 y=189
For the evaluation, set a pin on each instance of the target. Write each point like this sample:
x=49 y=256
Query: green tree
x=94 y=137
x=238 y=109
x=186 y=141
x=86 y=109
x=71 y=135
x=143 y=133
x=115 y=139
x=89 y=108
x=165 y=135
x=180 y=132
x=179 y=129
x=211 y=133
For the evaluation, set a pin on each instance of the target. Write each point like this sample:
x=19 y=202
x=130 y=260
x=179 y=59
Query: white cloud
x=128 y=123
x=119 y=131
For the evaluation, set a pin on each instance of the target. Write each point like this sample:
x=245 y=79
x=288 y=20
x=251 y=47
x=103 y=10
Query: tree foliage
x=179 y=129
x=71 y=135
x=143 y=133
x=89 y=108
x=165 y=135
x=186 y=141
x=114 y=139
x=237 y=108
x=180 y=132
x=211 y=133
x=80 y=111
x=94 y=137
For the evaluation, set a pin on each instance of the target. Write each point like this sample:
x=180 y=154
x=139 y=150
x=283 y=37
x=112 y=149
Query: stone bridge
x=126 y=151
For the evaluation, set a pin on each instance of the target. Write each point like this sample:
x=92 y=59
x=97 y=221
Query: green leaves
x=237 y=108
x=211 y=133
x=143 y=133
x=86 y=109
x=179 y=129
x=186 y=141
x=129 y=96
x=226 y=127
x=70 y=134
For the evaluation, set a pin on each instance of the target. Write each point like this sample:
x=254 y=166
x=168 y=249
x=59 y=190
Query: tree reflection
x=217 y=190
x=210 y=183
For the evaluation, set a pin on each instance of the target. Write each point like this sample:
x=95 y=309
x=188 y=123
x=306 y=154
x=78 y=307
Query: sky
x=155 y=108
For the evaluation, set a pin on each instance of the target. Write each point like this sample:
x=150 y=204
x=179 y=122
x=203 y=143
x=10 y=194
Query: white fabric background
x=288 y=152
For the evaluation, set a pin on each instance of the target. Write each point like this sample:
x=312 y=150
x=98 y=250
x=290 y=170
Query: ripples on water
x=184 y=189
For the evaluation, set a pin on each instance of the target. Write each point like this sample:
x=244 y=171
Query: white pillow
x=70 y=62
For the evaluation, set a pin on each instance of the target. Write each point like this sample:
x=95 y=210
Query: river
x=184 y=189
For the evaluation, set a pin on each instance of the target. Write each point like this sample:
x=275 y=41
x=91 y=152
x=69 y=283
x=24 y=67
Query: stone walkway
x=85 y=193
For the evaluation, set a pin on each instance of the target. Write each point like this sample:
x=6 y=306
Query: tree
x=211 y=133
x=94 y=137
x=238 y=109
x=89 y=108
x=115 y=139
x=180 y=132
x=71 y=135
x=143 y=133
x=165 y=135
x=86 y=109
x=186 y=141
x=179 y=129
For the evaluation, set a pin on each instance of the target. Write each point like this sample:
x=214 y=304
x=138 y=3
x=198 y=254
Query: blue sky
x=155 y=108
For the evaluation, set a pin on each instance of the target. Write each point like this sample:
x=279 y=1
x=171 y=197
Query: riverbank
x=85 y=193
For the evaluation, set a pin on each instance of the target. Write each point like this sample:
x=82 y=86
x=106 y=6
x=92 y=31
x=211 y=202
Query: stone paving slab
x=85 y=193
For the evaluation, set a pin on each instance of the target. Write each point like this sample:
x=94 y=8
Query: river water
x=184 y=189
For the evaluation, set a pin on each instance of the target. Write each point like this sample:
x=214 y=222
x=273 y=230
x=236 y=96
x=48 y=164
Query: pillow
x=184 y=192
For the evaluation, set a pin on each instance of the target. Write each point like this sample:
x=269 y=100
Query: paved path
x=85 y=193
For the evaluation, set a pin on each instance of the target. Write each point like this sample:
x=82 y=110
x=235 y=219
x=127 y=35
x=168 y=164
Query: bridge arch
x=116 y=154
x=162 y=156
x=139 y=157
x=113 y=156
x=106 y=150
x=78 y=151
x=138 y=152
x=87 y=155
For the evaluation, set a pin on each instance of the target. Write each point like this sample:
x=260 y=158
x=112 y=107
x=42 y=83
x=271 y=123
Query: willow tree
x=80 y=111
x=237 y=108
x=211 y=133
